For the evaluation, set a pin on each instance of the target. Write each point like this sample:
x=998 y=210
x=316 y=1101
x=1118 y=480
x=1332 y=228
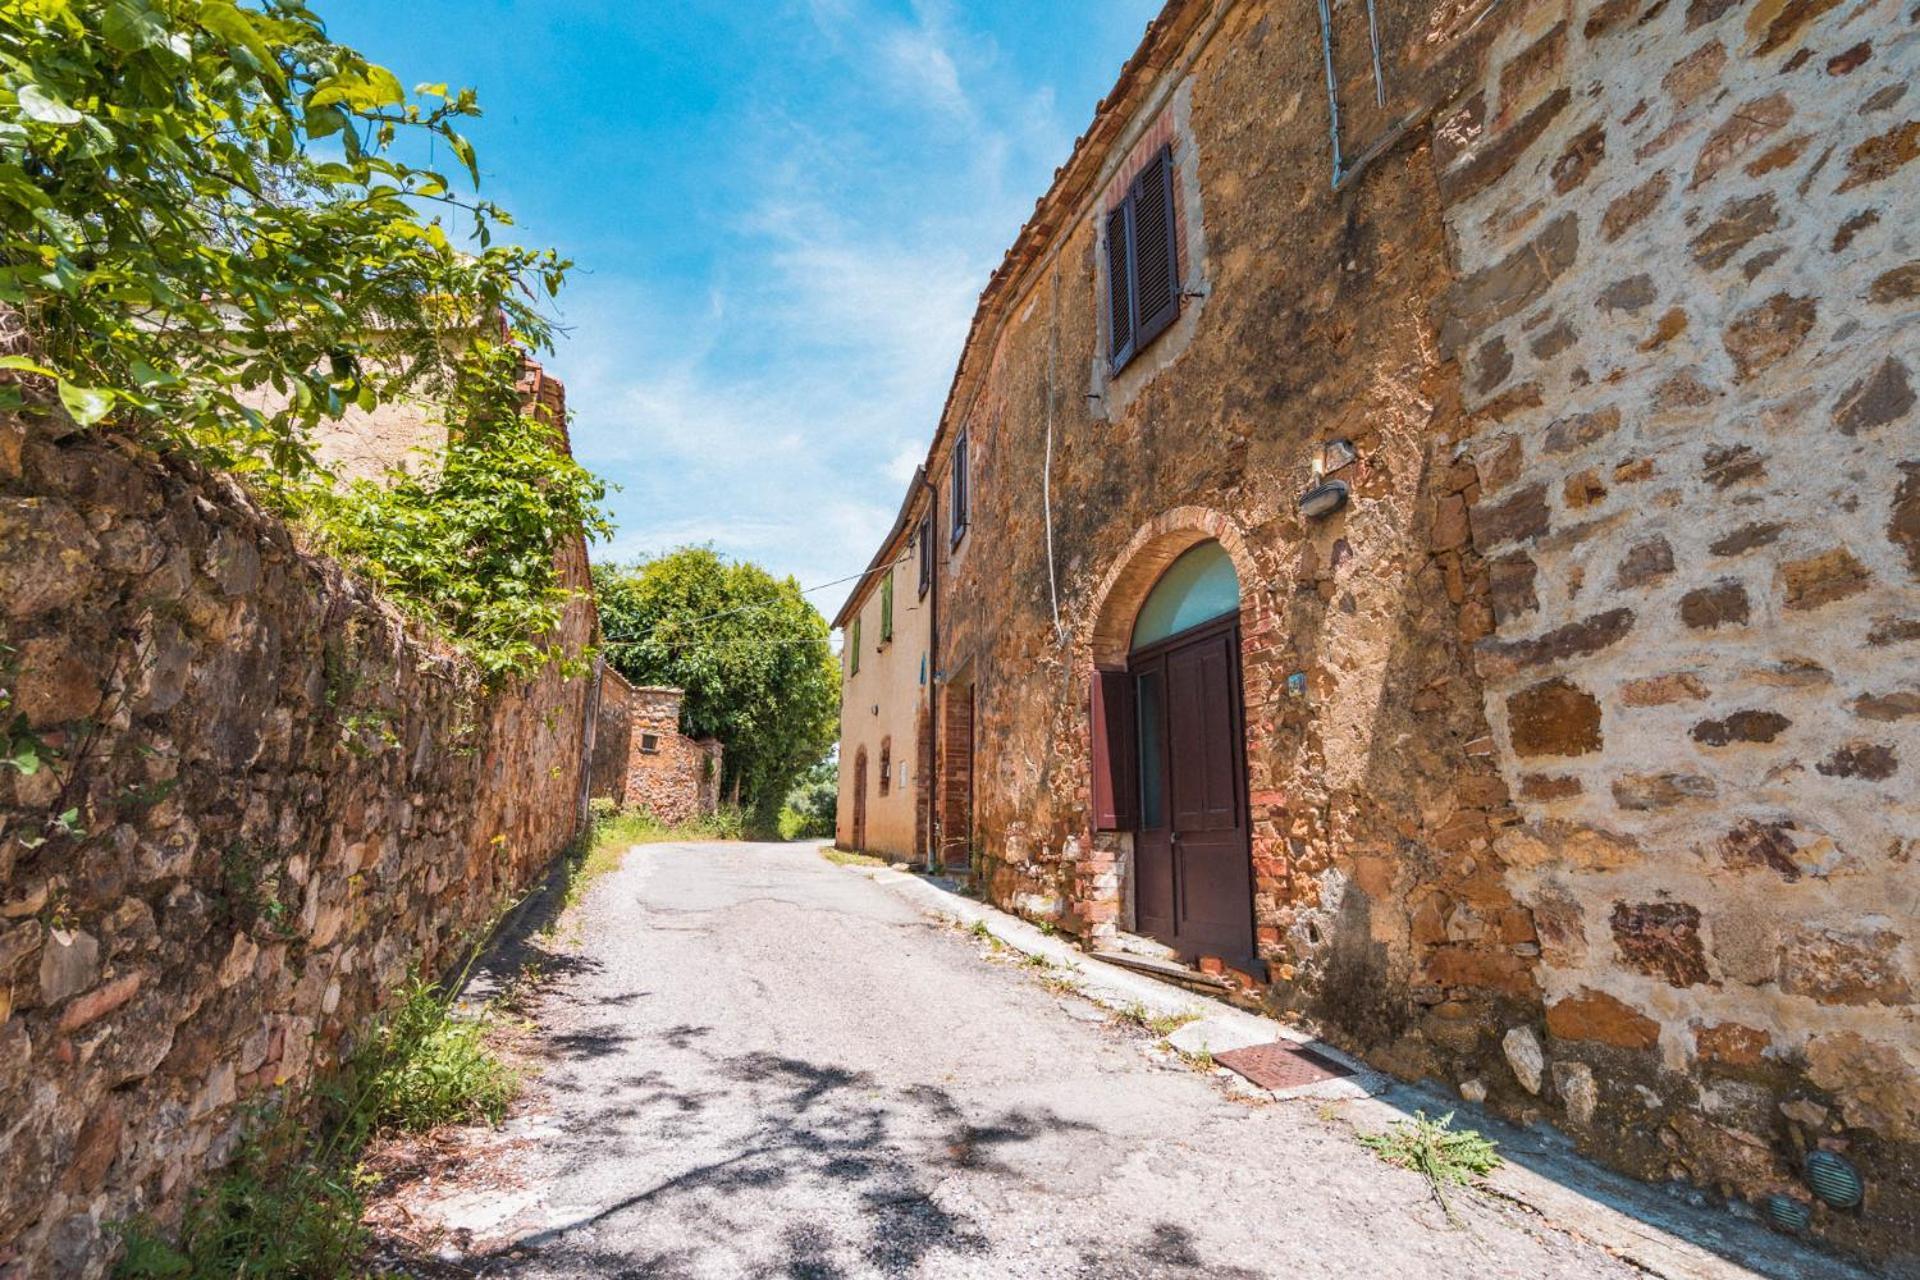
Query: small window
x=886 y=607
x=926 y=553
x=1143 y=262
x=853 y=649
x=650 y=744
x=962 y=496
x=886 y=765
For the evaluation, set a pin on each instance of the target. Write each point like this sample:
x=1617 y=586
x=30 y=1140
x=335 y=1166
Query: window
x=962 y=496
x=926 y=553
x=886 y=607
x=1143 y=262
x=853 y=649
x=650 y=744
x=886 y=765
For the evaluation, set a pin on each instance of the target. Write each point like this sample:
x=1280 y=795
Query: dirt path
x=754 y=1064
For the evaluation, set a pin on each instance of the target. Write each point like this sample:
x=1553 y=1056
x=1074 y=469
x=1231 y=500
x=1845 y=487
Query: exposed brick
x=1725 y=467
x=1581 y=430
x=1660 y=691
x=1731 y=1044
x=1602 y=1019
x=1898 y=285
x=1523 y=515
x=1741 y=726
x=1724 y=604
x=1738 y=224
x=1494 y=156
x=1762 y=844
x=1903 y=523
x=1645 y=792
x=1553 y=718
x=1645 y=562
x=1746 y=538
x=1661 y=939
x=1882 y=397
x=1845 y=965
x=1628 y=210
x=1881 y=156
x=1513 y=284
x=1821 y=580
x=1577 y=163
x=1745 y=128
x=1760 y=337
x=1869 y=761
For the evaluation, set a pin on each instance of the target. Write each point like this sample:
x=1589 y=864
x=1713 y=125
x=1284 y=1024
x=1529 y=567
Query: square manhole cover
x=1281 y=1065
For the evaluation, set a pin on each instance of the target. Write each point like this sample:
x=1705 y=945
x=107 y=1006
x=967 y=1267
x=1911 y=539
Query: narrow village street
x=753 y=1062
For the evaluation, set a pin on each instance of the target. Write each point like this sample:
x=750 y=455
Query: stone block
x=1881 y=156
x=1577 y=1090
x=1628 y=210
x=1601 y=1018
x=1647 y=792
x=1745 y=128
x=1575 y=640
x=1762 y=336
x=1820 y=580
x=1580 y=430
x=1525 y=1057
x=1867 y=761
x=69 y=964
x=1663 y=690
x=1741 y=727
x=1731 y=1044
x=1553 y=718
x=1516 y=282
x=1854 y=964
x=1522 y=516
x=1644 y=563
x=1724 y=604
x=1661 y=939
x=1882 y=397
x=1738 y=224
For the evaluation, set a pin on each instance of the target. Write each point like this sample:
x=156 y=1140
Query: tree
x=750 y=652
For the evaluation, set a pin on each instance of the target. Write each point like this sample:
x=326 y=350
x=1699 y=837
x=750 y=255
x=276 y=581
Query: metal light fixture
x=1323 y=499
x=1787 y=1214
x=1834 y=1179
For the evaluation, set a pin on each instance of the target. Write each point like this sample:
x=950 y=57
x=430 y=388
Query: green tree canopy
x=750 y=652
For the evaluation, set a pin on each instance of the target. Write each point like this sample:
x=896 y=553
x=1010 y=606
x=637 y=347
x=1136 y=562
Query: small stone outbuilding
x=641 y=760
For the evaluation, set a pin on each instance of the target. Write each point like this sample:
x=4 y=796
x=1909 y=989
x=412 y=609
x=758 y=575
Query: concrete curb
x=1662 y=1233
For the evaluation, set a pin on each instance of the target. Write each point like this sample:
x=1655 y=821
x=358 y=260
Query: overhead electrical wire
x=755 y=608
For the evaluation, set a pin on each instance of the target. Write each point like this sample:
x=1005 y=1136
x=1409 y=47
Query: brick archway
x=1157 y=544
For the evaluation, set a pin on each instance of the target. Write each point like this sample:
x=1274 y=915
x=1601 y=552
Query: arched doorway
x=860 y=800
x=1192 y=856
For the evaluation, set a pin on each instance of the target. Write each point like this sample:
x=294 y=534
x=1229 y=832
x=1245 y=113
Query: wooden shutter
x=1120 y=285
x=886 y=606
x=1115 y=755
x=853 y=640
x=1156 y=260
x=962 y=493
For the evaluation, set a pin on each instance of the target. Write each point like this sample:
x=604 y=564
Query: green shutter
x=853 y=643
x=886 y=606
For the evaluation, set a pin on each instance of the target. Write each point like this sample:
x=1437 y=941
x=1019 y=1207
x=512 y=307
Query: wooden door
x=1194 y=888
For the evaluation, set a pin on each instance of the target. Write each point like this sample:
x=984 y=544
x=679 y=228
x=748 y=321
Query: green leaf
x=464 y=149
x=130 y=25
x=37 y=104
x=87 y=404
x=25 y=365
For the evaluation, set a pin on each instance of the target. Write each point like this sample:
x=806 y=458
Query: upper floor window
x=1143 y=262
x=853 y=648
x=961 y=499
x=926 y=552
x=886 y=607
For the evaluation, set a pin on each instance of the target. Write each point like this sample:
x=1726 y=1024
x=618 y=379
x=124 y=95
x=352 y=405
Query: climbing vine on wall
x=210 y=236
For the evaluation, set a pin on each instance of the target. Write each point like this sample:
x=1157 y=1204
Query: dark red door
x=1195 y=877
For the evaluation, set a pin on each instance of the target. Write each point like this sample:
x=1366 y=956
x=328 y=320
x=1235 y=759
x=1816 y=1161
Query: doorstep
x=1672 y=1235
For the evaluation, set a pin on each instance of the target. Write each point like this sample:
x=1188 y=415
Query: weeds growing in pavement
x=1161 y=1024
x=979 y=930
x=1443 y=1155
x=848 y=858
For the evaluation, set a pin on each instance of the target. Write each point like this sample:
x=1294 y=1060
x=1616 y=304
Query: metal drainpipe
x=933 y=668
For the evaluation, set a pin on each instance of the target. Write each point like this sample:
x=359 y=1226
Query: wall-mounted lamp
x=1323 y=499
x=876 y=708
x=1334 y=454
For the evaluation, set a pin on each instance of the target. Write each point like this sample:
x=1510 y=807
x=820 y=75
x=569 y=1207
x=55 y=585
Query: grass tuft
x=1443 y=1155
x=1161 y=1024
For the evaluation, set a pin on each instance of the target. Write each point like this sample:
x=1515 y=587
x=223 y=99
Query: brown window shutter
x=1115 y=756
x=1119 y=285
x=1156 y=258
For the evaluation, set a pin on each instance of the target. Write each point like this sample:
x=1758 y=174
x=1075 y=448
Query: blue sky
x=782 y=213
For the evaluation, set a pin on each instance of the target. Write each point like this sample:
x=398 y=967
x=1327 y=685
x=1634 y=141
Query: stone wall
x=645 y=761
x=1685 y=319
x=286 y=798
x=1577 y=744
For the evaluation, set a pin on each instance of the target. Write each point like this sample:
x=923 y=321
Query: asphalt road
x=754 y=1063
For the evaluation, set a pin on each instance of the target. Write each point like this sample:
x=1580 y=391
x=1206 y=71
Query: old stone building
x=1427 y=525
x=641 y=760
